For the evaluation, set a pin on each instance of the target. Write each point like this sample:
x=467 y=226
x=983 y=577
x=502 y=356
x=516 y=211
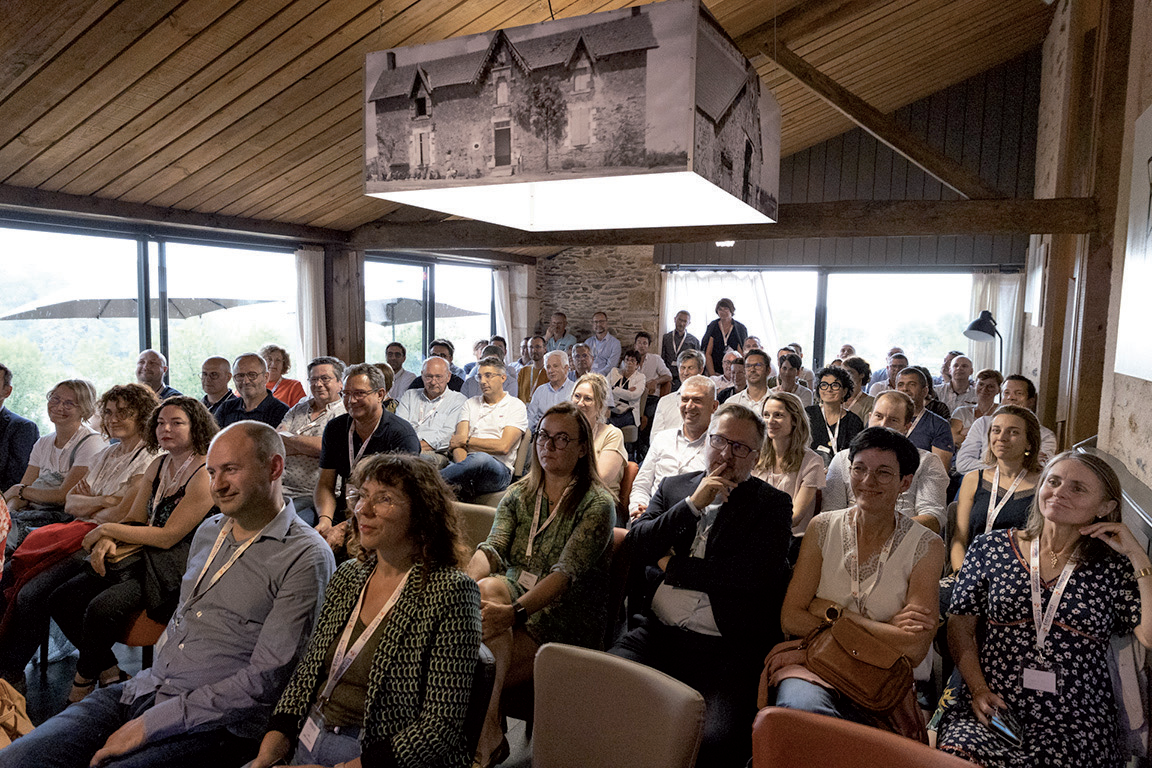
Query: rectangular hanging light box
x=642 y=117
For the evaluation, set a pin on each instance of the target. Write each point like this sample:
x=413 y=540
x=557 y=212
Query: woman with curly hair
x=388 y=671
x=543 y=571
x=137 y=564
x=287 y=391
x=833 y=425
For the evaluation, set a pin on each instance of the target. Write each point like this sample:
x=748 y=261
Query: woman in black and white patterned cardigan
x=398 y=698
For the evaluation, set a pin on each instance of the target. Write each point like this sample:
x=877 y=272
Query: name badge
x=527 y=579
x=1040 y=677
x=311 y=729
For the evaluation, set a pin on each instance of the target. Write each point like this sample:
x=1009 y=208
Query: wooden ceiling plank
x=243 y=36
x=850 y=218
x=270 y=164
x=342 y=173
x=323 y=159
x=144 y=55
x=60 y=78
x=31 y=38
x=352 y=215
x=806 y=19
x=885 y=128
x=160 y=156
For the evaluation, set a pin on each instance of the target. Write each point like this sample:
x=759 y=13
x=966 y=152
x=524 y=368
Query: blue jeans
x=329 y=749
x=478 y=474
x=69 y=740
x=794 y=693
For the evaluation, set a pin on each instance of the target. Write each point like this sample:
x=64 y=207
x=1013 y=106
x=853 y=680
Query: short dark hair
x=793 y=360
x=643 y=335
x=759 y=353
x=841 y=375
x=537 y=336
x=634 y=355
x=913 y=370
x=1027 y=382
x=398 y=344
x=5 y=376
x=884 y=439
x=433 y=523
x=443 y=343
x=726 y=303
x=860 y=365
x=500 y=339
x=200 y=420
x=336 y=363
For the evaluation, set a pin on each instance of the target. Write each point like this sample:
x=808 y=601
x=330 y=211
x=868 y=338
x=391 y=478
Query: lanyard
x=344 y=656
x=676 y=347
x=853 y=558
x=537 y=528
x=834 y=434
x=426 y=416
x=1044 y=625
x=363 y=446
x=994 y=507
x=912 y=428
x=193 y=595
x=726 y=335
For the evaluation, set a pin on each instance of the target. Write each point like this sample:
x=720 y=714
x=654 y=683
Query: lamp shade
x=982 y=328
x=641 y=117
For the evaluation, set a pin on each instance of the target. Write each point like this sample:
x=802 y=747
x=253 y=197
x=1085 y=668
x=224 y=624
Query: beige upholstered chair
x=476 y=521
x=789 y=738
x=595 y=709
x=523 y=456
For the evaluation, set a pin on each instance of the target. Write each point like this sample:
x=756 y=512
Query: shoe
x=81 y=687
x=112 y=676
x=499 y=755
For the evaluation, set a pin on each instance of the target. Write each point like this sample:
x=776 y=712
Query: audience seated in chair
x=432 y=410
x=303 y=429
x=1017 y=390
x=255 y=401
x=287 y=391
x=215 y=376
x=691 y=363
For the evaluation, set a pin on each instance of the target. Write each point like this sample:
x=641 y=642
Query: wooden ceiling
x=253 y=108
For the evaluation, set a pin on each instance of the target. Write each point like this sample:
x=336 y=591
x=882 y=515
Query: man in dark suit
x=716 y=543
x=17 y=436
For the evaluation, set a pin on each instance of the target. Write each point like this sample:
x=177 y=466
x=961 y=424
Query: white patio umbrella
x=398 y=311
x=178 y=308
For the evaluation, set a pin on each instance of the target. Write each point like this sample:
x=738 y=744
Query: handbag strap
x=825 y=625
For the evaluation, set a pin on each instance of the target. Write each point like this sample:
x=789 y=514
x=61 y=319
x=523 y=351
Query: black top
x=214 y=407
x=850 y=426
x=736 y=339
x=393 y=434
x=270 y=411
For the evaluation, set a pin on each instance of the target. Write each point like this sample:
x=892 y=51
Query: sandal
x=112 y=676
x=81 y=687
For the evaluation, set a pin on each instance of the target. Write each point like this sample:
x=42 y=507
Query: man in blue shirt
x=604 y=346
x=151 y=368
x=17 y=436
x=255 y=580
x=928 y=432
x=432 y=411
x=557 y=336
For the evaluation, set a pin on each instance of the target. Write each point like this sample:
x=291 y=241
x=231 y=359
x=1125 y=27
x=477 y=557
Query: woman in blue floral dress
x=1051 y=674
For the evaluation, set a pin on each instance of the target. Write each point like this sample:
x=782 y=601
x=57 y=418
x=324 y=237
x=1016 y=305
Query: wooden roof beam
x=919 y=152
x=850 y=218
x=802 y=20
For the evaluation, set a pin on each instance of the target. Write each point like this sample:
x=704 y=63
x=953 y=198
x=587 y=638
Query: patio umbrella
x=398 y=311
x=178 y=308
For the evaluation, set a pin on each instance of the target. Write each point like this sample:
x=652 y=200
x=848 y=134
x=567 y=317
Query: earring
x=1027 y=453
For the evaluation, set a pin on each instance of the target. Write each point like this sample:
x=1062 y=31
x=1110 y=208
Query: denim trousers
x=478 y=474
x=71 y=738
x=329 y=749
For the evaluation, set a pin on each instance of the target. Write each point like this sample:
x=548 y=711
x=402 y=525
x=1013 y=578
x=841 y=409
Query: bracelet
x=1139 y=574
x=326 y=517
x=20 y=493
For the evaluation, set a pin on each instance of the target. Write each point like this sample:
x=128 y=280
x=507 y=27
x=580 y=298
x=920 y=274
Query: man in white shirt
x=691 y=363
x=1017 y=390
x=925 y=501
x=604 y=346
x=395 y=354
x=676 y=451
x=433 y=410
x=471 y=386
x=789 y=381
x=756 y=365
x=483 y=448
x=958 y=389
x=896 y=363
x=557 y=389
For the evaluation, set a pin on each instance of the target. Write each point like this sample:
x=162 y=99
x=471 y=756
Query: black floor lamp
x=983 y=328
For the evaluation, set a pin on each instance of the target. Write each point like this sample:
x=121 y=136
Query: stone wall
x=1125 y=419
x=620 y=281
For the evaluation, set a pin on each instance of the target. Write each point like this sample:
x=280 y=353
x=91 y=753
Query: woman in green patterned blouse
x=387 y=674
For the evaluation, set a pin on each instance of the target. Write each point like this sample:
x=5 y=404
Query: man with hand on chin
x=717 y=542
x=255 y=579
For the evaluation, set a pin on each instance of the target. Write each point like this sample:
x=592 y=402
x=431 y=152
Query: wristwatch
x=833 y=613
x=520 y=614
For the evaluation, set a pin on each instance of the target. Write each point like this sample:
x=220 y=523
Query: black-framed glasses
x=832 y=385
x=739 y=450
x=556 y=442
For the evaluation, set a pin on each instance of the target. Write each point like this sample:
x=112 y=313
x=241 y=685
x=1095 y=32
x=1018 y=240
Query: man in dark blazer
x=17 y=436
x=714 y=544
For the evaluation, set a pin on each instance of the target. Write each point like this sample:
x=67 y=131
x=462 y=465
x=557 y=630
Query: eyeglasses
x=358 y=394
x=833 y=385
x=321 y=379
x=556 y=442
x=882 y=475
x=755 y=366
x=59 y=402
x=739 y=450
x=363 y=503
x=240 y=376
x=110 y=415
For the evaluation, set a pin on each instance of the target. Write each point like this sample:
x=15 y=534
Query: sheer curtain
x=1003 y=295
x=502 y=298
x=698 y=292
x=310 y=302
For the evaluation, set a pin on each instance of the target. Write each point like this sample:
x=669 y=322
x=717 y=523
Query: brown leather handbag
x=858 y=665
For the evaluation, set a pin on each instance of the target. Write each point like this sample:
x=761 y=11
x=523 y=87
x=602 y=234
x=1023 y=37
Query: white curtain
x=310 y=302
x=698 y=292
x=502 y=298
x=1002 y=295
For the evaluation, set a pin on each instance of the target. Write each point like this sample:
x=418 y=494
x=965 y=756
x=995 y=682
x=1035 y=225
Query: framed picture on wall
x=1132 y=357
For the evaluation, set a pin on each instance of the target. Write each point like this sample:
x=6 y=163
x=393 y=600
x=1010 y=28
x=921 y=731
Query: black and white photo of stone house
x=552 y=105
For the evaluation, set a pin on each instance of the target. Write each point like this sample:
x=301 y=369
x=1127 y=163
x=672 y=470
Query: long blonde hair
x=797 y=441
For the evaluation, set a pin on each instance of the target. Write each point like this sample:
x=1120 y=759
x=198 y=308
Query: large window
x=68 y=310
x=926 y=314
x=227 y=301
